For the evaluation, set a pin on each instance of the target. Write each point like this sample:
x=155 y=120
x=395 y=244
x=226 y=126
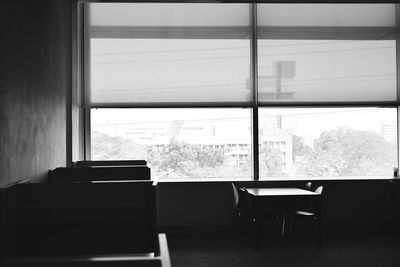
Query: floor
x=233 y=250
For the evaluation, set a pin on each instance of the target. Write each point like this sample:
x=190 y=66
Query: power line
x=232 y=57
x=177 y=88
x=210 y=120
x=211 y=49
x=213 y=86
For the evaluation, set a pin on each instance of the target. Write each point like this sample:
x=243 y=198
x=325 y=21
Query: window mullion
x=254 y=87
x=398 y=78
x=86 y=81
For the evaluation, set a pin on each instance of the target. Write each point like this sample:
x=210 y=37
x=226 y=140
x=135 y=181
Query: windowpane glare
x=328 y=142
x=177 y=143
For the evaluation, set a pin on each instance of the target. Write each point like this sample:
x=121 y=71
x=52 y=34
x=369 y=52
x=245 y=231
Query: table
x=262 y=198
x=287 y=192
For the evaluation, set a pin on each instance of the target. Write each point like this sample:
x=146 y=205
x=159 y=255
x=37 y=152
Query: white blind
x=317 y=53
x=157 y=14
x=170 y=53
x=167 y=54
x=326 y=70
x=327 y=15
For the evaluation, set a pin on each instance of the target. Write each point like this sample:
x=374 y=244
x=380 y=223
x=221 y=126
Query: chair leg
x=283 y=226
x=291 y=221
x=256 y=234
x=238 y=222
x=319 y=232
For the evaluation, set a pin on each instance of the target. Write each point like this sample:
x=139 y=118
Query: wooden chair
x=239 y=204
x=312 y=212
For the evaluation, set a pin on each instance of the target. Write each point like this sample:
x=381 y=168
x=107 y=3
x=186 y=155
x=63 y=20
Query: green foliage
x=183 y=160
x=271 y=162
x=299 y=148
x=347 y=152
x=339 y=152
x=105 y=147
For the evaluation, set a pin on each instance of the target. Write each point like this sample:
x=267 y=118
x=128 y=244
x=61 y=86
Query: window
x=205 y=90
x=328 y=142
x=177 y=143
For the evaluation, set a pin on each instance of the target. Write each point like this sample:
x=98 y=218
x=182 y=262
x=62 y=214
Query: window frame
x=81 y=61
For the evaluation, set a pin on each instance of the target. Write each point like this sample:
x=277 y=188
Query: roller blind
x=158 y=14
x=315 y=53
x=327 y=15
x=169 y=53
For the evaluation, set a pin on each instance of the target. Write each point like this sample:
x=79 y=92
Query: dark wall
x=34 y=78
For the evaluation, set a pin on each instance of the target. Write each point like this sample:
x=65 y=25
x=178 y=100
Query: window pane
x=337 y=15
x=177 y=143
x=170 y=53
x=327 y=70
x=329 y=142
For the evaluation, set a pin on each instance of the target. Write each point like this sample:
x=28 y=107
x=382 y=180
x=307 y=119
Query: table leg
x=319 y=223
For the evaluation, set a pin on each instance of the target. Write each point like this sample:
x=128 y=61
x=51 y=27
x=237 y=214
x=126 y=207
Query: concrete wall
x=34 y=78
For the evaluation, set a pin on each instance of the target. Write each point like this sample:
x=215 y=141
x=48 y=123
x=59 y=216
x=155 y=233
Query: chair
x=308 y=186
x=240 y=204
x=258 y=217
x=236 y=206
x=301 y=204
x=311 y=212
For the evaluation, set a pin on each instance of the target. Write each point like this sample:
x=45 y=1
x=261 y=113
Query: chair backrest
x=99 y=174
x=319 y=189
x=235 y=196
x=66 y=219
x=308 y=186
x=246 y=203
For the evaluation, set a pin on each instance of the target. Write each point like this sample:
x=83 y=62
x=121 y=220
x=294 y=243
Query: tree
x=299 y=148
x=271 y=162
x=175 y=160
x=105 y=147
x=348 y=152
x=183 y=160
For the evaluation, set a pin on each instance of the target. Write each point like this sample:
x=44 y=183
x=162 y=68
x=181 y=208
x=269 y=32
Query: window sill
x=275 y=179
